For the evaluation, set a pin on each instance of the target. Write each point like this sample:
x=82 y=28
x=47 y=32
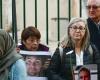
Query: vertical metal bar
x=47 y=22
x=24 y=14
x=0 y=13
x=36 y=13
x=69 y=8
x=14 y=21
x=80 y=3
x=58 y=19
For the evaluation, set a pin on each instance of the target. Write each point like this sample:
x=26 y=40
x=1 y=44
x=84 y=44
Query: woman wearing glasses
x=77 y=52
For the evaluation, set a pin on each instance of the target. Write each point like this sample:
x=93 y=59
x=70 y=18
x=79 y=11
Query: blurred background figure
x=93 y=10
x=12 y=66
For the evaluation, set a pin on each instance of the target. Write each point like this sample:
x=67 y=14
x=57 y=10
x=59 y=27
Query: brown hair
x=30 y=31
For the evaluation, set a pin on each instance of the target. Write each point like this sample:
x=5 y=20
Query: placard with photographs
x=85 y=72
x=36 y=63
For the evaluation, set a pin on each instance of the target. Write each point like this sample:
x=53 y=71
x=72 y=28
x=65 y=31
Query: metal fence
x=58 y=17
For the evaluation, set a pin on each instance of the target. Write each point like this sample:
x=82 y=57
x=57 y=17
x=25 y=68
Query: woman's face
x=34 y=66
x=77 y=31
x=32 y=43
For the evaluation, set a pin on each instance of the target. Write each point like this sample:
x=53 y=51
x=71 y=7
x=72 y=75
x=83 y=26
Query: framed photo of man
x=36 y=63
x=85 y=72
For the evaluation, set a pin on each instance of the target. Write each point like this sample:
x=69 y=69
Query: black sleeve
x=96 y=58
x=54 y=69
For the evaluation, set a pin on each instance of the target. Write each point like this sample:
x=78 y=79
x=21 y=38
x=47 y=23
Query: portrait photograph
x=36 y=63
x=85 y=72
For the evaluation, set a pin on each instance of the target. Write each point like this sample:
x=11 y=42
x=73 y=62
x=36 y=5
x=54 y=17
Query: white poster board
x=85 y=71
x=36 y=63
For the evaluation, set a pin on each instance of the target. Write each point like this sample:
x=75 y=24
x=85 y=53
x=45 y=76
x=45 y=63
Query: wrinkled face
x=93 y=9
x=84 y=75
x=34 y=66
x=32 y=43
x=77 y=31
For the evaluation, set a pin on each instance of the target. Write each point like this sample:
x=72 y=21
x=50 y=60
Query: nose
x=35 y=42
x=91 y=9
x=77 y=30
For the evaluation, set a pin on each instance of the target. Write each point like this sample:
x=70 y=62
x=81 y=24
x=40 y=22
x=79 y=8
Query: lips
x=92 y=13
x=33 y=48
x=77 y=34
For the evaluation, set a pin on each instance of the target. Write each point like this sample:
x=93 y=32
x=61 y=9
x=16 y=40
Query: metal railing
x=14 y=19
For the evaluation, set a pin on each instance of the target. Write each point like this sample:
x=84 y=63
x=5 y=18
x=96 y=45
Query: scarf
x=8 y=54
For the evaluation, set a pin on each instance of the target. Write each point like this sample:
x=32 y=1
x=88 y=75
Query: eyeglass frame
x=93 y=6
x=80 y=28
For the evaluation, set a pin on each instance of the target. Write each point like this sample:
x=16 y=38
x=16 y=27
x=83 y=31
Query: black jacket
x=94 y=33
x=62 y=69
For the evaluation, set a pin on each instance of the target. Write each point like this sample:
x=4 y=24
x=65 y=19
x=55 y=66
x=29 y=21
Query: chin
x=35 y=49
x=77 y=39
x=93 y=17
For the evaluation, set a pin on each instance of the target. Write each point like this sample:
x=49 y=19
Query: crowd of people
x=80 y=46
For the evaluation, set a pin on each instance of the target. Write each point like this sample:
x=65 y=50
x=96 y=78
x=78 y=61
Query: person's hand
x=17 y=49
x=63 y=44
x=64 y=41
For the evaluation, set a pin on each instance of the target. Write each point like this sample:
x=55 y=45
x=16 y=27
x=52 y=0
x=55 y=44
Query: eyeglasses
x=92 y=6
x=80 y=28
x=32 y=40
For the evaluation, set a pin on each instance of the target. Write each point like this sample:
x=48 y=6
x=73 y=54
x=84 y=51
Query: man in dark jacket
x=93 y=9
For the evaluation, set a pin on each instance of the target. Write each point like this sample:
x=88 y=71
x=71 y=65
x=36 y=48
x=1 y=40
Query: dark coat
x=62 y=69
x=40 y=48
x=94 y=33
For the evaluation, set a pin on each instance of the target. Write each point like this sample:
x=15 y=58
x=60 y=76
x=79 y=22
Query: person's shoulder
x=43 y=47
x=19 y=63
x=90 y=22
x=20 y=46
x=19 y=67
x=67 y=49
x=93 y=46
x=93 y=49
x=89 y=19
x=18 y=70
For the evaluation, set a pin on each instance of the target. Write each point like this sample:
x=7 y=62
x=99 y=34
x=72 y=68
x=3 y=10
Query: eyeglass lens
x=92 y=6
x=80 y=28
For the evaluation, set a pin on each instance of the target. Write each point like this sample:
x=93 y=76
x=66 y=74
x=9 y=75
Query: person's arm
x=96 y=54
x=54 y=69
x=18 y=71
x=96 y=58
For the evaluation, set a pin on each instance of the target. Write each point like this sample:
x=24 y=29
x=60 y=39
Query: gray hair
x=85 y=42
